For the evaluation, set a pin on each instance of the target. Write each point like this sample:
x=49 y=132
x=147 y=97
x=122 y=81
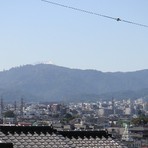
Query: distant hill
x=47 y=82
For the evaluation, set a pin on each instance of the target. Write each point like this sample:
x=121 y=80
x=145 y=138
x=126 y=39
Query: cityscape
x=73 y=74
x=126 y=120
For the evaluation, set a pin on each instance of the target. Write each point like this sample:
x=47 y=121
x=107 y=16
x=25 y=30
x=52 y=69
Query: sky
x=33 y=31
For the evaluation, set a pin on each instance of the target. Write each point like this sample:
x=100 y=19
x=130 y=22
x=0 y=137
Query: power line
x=93 y=13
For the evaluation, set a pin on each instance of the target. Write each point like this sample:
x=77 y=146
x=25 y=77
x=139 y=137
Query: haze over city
x=34 y=31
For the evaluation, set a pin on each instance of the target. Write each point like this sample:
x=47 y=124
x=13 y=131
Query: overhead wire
x=93 y=13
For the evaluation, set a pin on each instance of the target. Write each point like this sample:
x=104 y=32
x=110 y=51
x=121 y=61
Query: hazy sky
x=33 y=31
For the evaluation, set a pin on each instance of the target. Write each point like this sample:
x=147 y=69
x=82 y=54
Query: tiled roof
x=46 y=137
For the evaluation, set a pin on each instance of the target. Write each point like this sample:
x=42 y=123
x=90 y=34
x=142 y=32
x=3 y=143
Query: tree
x=9 y=114
x=140 y=121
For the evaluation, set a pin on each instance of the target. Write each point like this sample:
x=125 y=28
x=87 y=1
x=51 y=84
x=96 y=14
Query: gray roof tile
x=56 y=140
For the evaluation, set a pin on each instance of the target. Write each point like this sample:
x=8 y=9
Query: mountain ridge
x=51 y=82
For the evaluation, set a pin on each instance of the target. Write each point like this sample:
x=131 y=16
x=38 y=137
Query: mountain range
x=47 y=82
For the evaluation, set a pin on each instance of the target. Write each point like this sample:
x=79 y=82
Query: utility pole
x=21 y=107
x=15 y=106
x=113 y=106
x=2 y=107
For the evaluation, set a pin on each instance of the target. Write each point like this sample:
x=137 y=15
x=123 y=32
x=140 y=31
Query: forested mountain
x=47 y=82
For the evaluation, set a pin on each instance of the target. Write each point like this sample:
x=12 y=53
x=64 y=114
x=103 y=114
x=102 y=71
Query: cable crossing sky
x=93 y=13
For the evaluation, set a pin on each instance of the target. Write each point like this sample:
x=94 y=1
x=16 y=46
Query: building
x=47 y=137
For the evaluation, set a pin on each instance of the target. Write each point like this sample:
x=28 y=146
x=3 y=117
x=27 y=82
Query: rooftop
x=47 y=137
